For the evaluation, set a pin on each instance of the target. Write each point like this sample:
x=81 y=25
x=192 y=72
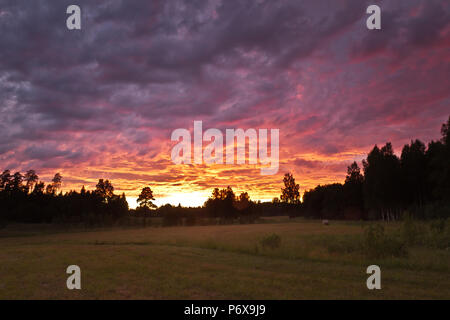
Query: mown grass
x=304 y=260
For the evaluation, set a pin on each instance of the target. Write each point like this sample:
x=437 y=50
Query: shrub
x=210 y=244
x=343 y=245
x=436 y=210
x=438 y=225
x=378 y=245
x=439 y=235
x=413 y=233
x=271 y=241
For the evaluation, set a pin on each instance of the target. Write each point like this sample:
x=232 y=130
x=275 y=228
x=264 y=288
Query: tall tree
x=38 y=188
x=353 y=190
x=290 y=193
x=382 y=182
x=413 y=166
x=31 y=179
x=438 y=155
x=445 y=131
x=145 y=198
x=222 y=203
x=5 y=180
x=243 y=201
x=56 y=182
x=216 y=193
x=17 y=180
x=354 y=175
x=104 y=189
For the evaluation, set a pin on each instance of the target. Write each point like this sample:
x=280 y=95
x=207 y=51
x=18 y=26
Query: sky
x=102 y=102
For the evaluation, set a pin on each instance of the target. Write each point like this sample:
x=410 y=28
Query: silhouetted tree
x=104 y=189
x=222 y=204
x=50 y=190
x=5 y=180
x=438 y=177
x=382 y=182
x=30 y=179
x=145 y=198
x=242 y=202
x=16 y=182
x=326 y=201
x=354 y=175
x=353 y=193
x=290 y=193
x=244 y=199
x=445 y=131
x=38 y=188
x=413 y=169
x=56 y=182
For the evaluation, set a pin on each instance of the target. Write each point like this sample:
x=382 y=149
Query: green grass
x=216 y=262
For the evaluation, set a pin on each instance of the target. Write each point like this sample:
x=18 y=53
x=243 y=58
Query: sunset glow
x=102 y=102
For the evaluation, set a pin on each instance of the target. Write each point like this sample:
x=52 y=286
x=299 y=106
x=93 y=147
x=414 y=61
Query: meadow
x=277 y=258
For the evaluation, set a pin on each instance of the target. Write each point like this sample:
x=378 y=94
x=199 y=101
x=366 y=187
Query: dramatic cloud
x=103 y=101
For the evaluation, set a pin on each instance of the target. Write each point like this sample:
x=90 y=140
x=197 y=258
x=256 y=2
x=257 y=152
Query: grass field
x=214 y=262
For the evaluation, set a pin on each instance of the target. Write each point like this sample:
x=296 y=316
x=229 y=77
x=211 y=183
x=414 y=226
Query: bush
x=413 y=233
x=436 y=210
x=439 y=235
x=344 y=245
x=438 y=226
x=271 y=241
x=378 y=245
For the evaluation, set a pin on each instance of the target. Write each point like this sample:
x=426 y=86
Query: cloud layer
x=103 y=101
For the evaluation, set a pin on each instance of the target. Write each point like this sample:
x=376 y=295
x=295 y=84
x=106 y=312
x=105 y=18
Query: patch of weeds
x=379 y=245
x=271 y=241
x=413 y=233
x=210 y=244
x=343 y=245
x=439 y=234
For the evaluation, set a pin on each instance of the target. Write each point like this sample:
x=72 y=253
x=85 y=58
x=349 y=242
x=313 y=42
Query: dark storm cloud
x=130 y=42
x=420 y=24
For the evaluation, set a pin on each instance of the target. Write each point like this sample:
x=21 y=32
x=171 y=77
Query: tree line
x=416 y=183
x=25 y=199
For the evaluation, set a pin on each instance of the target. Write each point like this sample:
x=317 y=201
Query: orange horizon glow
x=193 y=184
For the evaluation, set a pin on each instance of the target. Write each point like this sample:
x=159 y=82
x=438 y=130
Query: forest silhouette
x=388 y=187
